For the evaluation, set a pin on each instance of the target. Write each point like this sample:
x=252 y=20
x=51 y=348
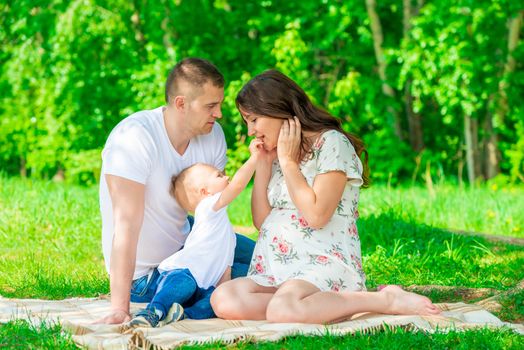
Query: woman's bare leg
x=241 y=299
x=301 y=301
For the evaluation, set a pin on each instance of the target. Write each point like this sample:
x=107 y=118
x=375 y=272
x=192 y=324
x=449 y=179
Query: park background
x=435 y=89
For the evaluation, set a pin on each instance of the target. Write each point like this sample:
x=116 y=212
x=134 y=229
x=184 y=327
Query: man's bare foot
x=407 y=303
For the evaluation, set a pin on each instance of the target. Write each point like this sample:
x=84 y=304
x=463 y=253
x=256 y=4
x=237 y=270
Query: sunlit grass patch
x=481 y=209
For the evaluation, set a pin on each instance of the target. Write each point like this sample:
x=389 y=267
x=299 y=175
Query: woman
x=307 y=262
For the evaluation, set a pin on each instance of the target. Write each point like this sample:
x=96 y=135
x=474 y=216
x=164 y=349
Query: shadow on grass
x=400 y=252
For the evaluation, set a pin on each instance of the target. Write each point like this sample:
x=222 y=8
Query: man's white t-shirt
x=139 y=149
x=210 y=247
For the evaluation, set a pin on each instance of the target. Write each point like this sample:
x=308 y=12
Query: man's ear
x=179 y=102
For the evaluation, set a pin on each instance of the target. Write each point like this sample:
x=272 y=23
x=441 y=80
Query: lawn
x=50 y=234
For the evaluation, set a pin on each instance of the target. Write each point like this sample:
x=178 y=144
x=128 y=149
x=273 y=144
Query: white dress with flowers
x=287 y=248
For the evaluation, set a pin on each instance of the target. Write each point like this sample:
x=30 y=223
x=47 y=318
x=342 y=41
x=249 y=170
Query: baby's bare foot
x=407 y=303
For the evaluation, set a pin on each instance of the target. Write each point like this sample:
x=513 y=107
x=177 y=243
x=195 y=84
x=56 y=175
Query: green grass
x=50 y=237
x=240 y=210
x=485 y=209
x=488 y=210
x=51 y=248
x=396 y=338
x=19 y=334
x=399 y=252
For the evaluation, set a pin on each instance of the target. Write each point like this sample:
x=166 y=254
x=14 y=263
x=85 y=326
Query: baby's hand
x=256 y=147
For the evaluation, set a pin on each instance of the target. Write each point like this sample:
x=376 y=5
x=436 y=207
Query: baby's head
x=195 y=183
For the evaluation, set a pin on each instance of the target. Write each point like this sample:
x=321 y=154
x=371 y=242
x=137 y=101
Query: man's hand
x=114 y=317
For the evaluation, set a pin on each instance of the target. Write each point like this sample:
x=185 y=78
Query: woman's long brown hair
x=274 y=95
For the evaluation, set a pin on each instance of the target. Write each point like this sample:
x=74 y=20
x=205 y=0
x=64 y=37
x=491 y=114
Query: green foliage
x=83 y=167
x=515 y=155
x=70 y=70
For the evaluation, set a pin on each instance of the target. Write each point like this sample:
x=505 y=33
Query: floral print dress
x=287 y=248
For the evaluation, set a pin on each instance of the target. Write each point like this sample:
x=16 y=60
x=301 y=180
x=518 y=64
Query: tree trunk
x=416 y=136
x=513 y=40
x=376 y=30
x=492 y=153
x=460 y=171
x=23 y=167
x=137 y=27
x=332 y=81
x=470 y=157
x=60 y=175
x=475 y=147
x=406 y=25
x=165 y=26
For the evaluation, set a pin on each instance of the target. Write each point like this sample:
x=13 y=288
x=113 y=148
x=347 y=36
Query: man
x=141 y=223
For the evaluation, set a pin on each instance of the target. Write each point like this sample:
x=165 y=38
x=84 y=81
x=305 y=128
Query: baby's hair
x=182 y=188
x=174 y=179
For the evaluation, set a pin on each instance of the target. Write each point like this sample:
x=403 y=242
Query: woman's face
x=264 y=128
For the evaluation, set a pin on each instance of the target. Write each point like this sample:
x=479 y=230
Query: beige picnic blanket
x=76 y=316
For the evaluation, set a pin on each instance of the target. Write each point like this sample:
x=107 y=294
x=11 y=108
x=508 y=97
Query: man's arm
x=127 y=198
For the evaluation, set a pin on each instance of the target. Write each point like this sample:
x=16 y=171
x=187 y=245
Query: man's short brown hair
x=195 y=71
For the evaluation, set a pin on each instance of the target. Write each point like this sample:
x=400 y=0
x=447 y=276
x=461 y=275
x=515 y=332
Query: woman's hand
x=289 y=139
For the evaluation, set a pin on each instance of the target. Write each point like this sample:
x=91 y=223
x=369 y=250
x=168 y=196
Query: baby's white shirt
x=210 y=246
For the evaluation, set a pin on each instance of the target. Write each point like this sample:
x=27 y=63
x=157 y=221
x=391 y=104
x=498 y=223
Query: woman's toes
x=407 y=303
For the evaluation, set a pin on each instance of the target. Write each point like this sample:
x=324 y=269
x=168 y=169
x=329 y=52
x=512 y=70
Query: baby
x=189 y=276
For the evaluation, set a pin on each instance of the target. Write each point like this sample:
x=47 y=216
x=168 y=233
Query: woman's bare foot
x=407 y=303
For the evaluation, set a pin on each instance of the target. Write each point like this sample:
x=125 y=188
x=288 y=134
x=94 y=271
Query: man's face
x=204 y=109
